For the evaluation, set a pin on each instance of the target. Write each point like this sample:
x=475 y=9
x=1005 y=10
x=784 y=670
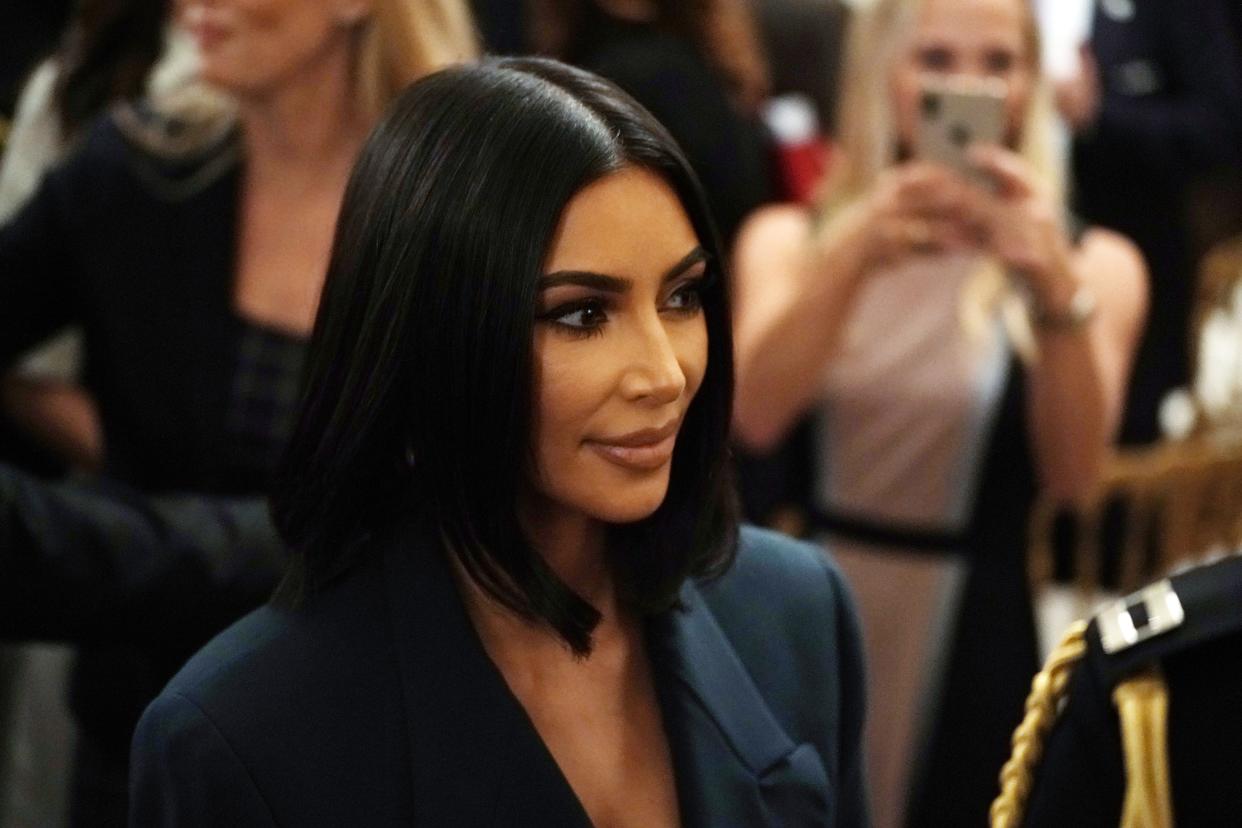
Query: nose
x=653 y=373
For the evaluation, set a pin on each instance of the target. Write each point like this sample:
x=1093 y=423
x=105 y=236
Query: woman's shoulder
x=248 y=647
x=275 y=656
x=768 y=554
x=765 y=554
x=1114 y=265
x=795 y=582
x=282 y=698
x=769 y=245
x=784 y=225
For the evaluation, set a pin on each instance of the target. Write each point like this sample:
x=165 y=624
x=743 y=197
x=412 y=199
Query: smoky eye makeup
x=579 y=302
x=581 y=315
x=685 y=293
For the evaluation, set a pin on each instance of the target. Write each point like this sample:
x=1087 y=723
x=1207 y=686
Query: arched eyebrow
x=616 y=284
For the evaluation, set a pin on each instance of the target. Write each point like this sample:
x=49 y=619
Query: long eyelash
x=575 y=331
x=553 y=317
x=698 y=287
x=688 y=310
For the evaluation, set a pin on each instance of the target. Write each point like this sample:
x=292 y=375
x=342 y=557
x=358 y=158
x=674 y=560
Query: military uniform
x=1190 y=628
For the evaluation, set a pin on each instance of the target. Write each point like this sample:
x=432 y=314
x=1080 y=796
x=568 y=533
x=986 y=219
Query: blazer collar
x=476 y=758
x=735 y=764
x=479 y=761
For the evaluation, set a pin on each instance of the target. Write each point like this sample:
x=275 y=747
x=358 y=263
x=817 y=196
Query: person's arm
x=53 y=410
x=37 y=268
x=34 y=142
x=96 y=561
x=795 y=287
x=1078 y=379
x=1078 y=385
x=793 y=291
x=58 y=414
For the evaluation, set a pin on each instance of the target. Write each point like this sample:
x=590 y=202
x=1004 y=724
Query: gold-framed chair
x=1177 y=500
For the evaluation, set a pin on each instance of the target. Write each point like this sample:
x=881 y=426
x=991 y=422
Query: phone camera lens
x=931 y=105
x=959 y=134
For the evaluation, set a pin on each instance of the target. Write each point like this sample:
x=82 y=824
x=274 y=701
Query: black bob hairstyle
x=418 y=391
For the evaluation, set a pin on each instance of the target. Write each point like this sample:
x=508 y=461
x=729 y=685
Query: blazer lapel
x=476 y=758
x=735 y=764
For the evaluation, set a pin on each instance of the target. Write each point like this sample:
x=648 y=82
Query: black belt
x=912 y=537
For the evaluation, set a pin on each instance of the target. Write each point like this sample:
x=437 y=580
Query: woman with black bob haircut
x=422 y=350
x=519 y=593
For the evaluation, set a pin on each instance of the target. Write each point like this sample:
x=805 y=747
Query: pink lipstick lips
x=647 y=449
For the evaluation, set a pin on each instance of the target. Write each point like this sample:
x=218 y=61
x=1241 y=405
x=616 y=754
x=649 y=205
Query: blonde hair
x=403 y=40
x=1142 y=703
x=398 y=42
x=869 y=144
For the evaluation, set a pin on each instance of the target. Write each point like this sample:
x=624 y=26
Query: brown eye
x=583 y=316
x=999 y=61
x=935 y=59
x=687 y=299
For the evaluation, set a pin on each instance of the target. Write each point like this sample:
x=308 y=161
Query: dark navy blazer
x=375 y=704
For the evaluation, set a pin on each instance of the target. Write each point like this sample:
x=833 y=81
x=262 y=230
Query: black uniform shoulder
x=1186 y=630
x=1195 y=607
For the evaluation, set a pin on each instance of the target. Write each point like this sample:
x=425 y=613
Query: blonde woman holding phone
x=959 y=346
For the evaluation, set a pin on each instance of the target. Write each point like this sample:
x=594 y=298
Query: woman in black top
x=519 y=595
x=193 y=259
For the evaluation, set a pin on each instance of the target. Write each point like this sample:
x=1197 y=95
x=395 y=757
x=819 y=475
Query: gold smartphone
x=957 y=112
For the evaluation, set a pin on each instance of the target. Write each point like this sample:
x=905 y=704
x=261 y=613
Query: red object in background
x=803 y=167
x=803 y=153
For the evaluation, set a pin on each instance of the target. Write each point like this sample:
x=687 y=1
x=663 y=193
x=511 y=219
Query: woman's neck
x=306 y=128
x=573 y=546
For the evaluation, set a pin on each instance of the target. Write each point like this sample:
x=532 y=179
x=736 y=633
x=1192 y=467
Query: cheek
x=1020 y=91
x=274 y=38
x=691 y=348
x=905 y=88
x=566 y=392
x=291 y=35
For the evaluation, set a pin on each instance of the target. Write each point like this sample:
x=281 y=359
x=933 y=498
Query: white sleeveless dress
x=907 y=405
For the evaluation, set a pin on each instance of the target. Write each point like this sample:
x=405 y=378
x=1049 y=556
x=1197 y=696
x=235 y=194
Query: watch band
x=1080 y=310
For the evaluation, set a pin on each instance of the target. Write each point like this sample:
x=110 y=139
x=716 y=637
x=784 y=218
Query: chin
x=226 y=75
x=218 y=77
x=632 y=503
